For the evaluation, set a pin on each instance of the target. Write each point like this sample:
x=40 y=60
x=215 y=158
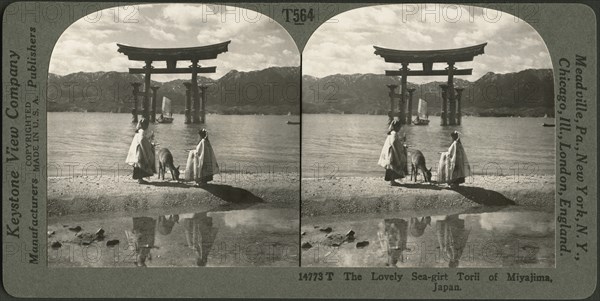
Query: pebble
x=306 y=245
x=75 y=229
x=99 y=234
x=326 y=230
x=55 y=245
x=334 y=239
x=362 y=244
x=113 y=242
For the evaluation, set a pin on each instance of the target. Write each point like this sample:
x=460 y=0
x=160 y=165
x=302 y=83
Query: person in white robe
x=141 y=153
x=454 y=167
x=201 y=163
x=393 y=155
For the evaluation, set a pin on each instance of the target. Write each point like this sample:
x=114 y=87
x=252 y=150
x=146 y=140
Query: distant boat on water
x=422 y=114
x=167 y=115
x=548 y=124
x=293 y=122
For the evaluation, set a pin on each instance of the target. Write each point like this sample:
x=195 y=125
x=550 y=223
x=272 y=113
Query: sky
x=89 y=44
x=344 y=45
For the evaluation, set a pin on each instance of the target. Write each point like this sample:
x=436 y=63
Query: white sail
x=166 y=107
x=422 y=110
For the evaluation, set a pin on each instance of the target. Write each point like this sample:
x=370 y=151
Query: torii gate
x=171 y=56
x=427 y=58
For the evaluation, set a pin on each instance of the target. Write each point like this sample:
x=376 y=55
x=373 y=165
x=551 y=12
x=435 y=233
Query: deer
x=418 y=163
x=165 y=160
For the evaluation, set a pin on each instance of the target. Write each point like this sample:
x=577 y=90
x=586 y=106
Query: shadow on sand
x=421 y=185
x=168 y=184
x=484 y=197
x=232 y=194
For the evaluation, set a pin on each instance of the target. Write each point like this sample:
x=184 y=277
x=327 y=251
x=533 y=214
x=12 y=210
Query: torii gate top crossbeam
x=465 y=54
x=207 y=52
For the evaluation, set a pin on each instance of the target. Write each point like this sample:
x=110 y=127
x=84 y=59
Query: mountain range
x=526 y=93
x=273 y=90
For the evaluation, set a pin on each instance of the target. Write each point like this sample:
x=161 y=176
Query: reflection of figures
x=454 y=166
x=199 y=234
x=392 y=237
x=166 y=223
x=417 y=226
x=141 y=238
x=393 y=155
x=452 y=237
x=202 y=163
x=141 y=153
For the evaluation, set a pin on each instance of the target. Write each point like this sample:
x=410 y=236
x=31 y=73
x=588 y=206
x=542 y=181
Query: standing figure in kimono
x=141 y=152
x=454 y=165
x=393 y=154
x=201 y=163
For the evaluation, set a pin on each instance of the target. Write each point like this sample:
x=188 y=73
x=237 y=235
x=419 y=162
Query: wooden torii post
x=154 y=101
x=171 y=56
x=204 y=98
x=427 y=58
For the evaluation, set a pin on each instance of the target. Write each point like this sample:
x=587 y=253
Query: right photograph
x=428 y=140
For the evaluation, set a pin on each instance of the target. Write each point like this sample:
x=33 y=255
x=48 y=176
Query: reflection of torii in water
x=199 y=234
x=452 y=237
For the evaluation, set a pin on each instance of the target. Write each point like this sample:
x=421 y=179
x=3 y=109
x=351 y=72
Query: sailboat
x=422 y=115
x=166 y=116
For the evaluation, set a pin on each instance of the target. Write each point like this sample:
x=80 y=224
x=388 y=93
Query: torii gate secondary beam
x=173 y=70
x=429 y=73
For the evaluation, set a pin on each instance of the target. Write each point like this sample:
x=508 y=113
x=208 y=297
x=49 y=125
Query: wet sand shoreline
x=351 y=195
x=90 y=195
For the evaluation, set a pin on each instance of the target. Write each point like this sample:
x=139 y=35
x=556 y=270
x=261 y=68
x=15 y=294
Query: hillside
x=273 y=90
x=525 y=93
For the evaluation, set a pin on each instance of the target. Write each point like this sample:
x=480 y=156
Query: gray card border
x=567 y=29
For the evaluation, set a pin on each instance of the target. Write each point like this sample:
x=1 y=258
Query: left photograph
x=173 y=139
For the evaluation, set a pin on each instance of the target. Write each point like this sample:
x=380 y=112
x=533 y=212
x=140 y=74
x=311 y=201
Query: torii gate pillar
x=146 y=103
x=409 y=109
x=136 y=91
x=403 y=100
x=204 y=99
x=444 y=112
x=458 y=106
x=450 y=91
x=154 y=101
x=188 y=102
x=392 y=95
x=195 y=93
